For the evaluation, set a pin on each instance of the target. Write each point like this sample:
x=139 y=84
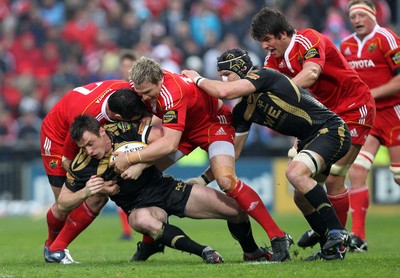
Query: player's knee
x=226 y=183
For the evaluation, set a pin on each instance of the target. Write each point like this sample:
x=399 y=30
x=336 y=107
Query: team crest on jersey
x=395 y=58
x=253 y=75
x=53 y=164
x=124 y=126
x=300 y=60
x=311 y=53
x=371 y=47
x=171 y=117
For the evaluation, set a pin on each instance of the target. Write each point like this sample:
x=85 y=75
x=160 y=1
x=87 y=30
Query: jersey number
x=88 y=89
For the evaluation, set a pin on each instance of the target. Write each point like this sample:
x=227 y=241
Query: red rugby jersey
x=376 y=59
x=338 y=87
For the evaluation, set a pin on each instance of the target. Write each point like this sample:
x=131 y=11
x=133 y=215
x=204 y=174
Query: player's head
x=146 y=77
x=271 y=28
x=87 y=133
x=362 y=14
x=127 y=58
x=270 y=21
x=235 y=60
x=125 y=105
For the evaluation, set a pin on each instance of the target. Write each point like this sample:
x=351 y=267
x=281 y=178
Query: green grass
x=102 y=255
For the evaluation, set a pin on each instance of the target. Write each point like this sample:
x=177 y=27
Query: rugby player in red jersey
x=313 y=62
x=374 y=52
x=190 y=119
x=98 y=99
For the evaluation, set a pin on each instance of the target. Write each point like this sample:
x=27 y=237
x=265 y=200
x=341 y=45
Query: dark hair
x=270 y=22
x=236 y=60
x=126 y=103
x=81 y=124
x=128 y=55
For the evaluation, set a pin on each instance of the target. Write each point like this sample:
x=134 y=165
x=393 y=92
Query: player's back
x=89 y=99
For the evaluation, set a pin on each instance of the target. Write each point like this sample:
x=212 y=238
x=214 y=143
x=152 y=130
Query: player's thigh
x=147 y=219
x=205 y=202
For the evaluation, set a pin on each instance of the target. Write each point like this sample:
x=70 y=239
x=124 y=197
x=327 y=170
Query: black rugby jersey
x=282 y=106
x=83 y=166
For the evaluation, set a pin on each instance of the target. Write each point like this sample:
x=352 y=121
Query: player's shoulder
x=124 y=129
x=387 y=36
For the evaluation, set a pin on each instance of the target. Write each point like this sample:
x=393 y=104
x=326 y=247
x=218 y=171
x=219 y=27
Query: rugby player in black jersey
x=271 y=99
x=152 y=197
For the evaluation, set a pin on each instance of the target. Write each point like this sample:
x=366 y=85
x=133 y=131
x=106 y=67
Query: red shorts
x=359 y=121
x=387 y=126
x=51 y=155
x=218 y=129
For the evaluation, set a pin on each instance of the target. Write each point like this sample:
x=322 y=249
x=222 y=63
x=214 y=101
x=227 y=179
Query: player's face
x=124 y=68
x=362 y=24
x=95 y=146
x=275 y=45
x=228 y=76
x=148 y=91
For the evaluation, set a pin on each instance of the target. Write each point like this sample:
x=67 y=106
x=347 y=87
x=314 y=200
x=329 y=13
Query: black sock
x=242 y=232
x=174 y=237
x=317 y=223
x=319 y=200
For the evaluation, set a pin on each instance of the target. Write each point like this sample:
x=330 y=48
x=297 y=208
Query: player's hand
x=198 y=180
x=120 y=163
x=134 y=171
x=110 y=188
x=93 y=186
x=192 y=74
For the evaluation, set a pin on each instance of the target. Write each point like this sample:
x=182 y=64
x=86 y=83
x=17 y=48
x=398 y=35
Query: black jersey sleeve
x=239 y=122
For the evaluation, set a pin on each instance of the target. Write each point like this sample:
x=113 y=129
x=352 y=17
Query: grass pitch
x=103 y=255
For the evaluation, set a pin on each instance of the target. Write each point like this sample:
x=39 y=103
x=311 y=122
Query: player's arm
x=220 y=89
x=388 y=89
x=161 y=147
x=68 y=200
x=308 y=75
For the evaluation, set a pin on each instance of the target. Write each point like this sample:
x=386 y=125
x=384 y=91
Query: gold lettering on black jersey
x=252 y=100
x=81 y=161
x=290 y=108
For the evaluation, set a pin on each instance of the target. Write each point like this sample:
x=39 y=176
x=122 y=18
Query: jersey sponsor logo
x=395 y=58
x=347 y=51
x=362 y=64
x=220 y=131
x=171 y=117
x=124 y=126
x=311 y=53
x=53 y=164
x=371 y=47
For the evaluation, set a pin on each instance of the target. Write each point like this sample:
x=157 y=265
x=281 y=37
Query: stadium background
x=48 y=47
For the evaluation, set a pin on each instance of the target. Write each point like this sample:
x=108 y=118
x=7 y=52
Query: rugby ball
x=127 y=147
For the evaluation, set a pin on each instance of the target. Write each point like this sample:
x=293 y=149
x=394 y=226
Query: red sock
x=78 y=220
x=147 y=239
x=54 y=226
x=251 y=203
x=126 y=228
x=341 y=204
x=359 y=201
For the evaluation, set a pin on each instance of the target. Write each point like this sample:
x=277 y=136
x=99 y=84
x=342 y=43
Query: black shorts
x=332 y=143
x=56 y=181
x=169 y=194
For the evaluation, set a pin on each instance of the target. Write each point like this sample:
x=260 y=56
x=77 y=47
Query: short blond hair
x=145 y=69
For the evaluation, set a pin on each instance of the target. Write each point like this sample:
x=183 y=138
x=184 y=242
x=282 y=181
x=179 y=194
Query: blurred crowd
x=48 y=47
